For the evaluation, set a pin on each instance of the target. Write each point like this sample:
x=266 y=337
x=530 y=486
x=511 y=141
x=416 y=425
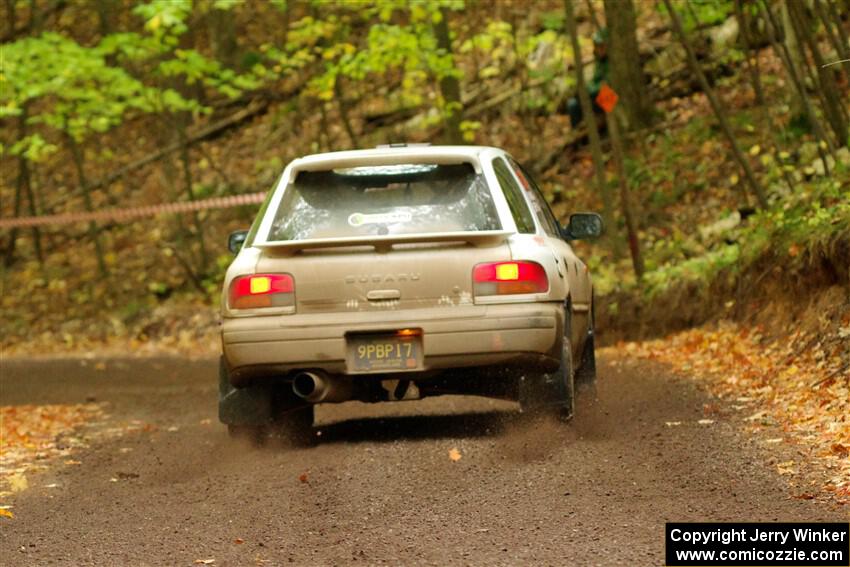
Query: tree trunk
x=449 y=85
x=181 y=233
x=799 y=114
x=719 y=111
x=9 y=256
x=750 y=55
x=844 y=51
x=79 y=163
x=782 y=50
x=627 y=75
x=105 y=10
x=24 y=188
x=625 y=197
x=828 y=89
x=26 y=183
x=591 y=13
x=11 y=18
x=186 y=162
x=221 y=27
x=838 y=37
x=342 y=106
x=592 y=130
x=326 y=144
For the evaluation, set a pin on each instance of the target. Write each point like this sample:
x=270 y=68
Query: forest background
x=722 y=173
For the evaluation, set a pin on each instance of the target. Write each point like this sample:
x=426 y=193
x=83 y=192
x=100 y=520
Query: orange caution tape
x=128 y=215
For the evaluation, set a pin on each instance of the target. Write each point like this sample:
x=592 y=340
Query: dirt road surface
x=380 y=488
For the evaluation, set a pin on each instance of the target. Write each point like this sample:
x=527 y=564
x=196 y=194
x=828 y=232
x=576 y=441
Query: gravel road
x=380 y=488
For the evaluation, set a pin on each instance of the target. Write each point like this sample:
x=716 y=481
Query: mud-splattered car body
x=401 y=272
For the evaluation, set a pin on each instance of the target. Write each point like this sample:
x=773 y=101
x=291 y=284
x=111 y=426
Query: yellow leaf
x=154 y=23
x=18 y=482
x=4 y=513
x=454 y=454
x=755 y=150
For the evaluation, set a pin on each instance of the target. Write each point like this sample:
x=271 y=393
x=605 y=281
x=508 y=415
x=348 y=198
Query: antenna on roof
x=402 y=145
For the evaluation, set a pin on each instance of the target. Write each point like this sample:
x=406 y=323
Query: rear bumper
x=477 y=335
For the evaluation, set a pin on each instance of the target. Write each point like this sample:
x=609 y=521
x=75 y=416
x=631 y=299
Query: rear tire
x=585 y=380
x=552 y=393
x=256 y=413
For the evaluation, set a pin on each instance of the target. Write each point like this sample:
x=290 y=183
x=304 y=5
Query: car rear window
x=513 y=195
x=385 y=200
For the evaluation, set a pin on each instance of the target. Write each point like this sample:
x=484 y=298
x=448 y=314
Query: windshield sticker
x=358 y=219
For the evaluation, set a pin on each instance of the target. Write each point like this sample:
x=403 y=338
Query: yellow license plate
x=384 y=352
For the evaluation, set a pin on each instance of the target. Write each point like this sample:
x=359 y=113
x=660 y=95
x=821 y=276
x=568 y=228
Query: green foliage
x=82 y=92
x=165 y=19
x=401 y=40
x=794 y=235
x=701 y=12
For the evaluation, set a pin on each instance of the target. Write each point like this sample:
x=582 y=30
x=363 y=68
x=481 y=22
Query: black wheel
x=552 y=393
x=585 y=379
x=255 y=413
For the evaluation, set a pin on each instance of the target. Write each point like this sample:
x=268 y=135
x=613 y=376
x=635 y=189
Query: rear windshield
x=385 y=200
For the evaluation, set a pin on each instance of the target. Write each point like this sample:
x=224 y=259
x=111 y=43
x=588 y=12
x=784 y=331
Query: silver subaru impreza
x=398 y=273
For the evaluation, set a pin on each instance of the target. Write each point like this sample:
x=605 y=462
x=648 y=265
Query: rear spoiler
x=383 y=243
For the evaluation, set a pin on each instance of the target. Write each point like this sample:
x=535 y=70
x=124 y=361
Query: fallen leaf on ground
x=303 y=477
x=705 y=421
x=454 y=454
x=840 y=450
x=204 y=561
x=6 y=513
x=672 y=423
x=35 y=433
x=238 y=540
x=18 y=482
x=795 y=381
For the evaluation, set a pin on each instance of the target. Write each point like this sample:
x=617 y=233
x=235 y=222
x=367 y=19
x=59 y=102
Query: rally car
x=398 y=273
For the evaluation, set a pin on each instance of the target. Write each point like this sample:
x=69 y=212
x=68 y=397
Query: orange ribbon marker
x=607 y=98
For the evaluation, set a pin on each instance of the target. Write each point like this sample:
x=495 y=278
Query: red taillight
x=505 y=278
x=262 y=290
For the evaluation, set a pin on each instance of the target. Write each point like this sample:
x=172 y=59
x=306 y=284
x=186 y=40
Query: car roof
x=385 y=155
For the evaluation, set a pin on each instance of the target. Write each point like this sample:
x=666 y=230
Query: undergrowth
x=803 y=240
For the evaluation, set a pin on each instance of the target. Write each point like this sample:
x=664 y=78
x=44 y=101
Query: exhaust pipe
x=316 y=387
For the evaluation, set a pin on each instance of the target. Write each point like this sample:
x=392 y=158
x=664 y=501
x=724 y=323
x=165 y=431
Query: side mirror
x=582 y=226
x=236 y=240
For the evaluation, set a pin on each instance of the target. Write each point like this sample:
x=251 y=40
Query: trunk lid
x=409 y=276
